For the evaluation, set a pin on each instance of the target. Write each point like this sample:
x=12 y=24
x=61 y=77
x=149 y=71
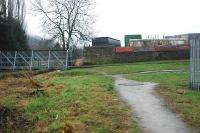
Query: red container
x=123 y=50
x=184 y=47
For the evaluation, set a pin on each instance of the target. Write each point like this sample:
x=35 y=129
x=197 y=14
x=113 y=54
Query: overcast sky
x=116 y=18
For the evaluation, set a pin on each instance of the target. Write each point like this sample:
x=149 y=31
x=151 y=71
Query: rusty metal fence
x=31 y=60
x=194 y=41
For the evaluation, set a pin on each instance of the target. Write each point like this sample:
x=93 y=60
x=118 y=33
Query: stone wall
x=98 y=55
x=106 y=55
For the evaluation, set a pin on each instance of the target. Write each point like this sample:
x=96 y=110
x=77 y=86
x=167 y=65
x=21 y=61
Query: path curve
x=150 y=111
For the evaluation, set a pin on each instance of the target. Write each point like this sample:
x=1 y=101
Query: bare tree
x=66 y=20
x=3 y=9
x=20 y=10
x=13 y=9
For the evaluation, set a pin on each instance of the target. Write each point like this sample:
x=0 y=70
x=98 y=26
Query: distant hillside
x=38 y=43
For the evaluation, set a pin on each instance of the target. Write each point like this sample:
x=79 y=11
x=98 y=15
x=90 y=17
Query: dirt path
x=150 y=111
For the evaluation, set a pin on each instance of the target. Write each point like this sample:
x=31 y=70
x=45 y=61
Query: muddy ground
x=11 y=119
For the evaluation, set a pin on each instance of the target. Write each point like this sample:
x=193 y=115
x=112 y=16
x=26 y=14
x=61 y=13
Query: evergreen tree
x=12 y=33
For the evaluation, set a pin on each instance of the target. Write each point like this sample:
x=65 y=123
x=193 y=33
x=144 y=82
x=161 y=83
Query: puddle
x=163 y=71
x=131 y=84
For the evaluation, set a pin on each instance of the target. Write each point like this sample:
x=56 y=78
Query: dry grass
x=75 y=101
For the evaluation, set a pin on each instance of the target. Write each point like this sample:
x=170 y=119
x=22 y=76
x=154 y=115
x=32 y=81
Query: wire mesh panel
x=20 y=60
x=7 y=60
x=39 y=59
x=194 y=41
x=57 y=59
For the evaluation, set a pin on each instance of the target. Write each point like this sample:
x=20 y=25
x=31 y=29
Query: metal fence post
x=198 y=66
x=49 y=59
x=194 y=41
x=66 y=59
x=31 y=64
x=191 y=63
x=14 y=64
x=1 y=64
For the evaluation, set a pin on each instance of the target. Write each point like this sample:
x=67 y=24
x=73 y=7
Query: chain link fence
x=35 y=60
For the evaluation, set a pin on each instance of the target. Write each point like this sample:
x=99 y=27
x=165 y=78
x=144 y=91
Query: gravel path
x=150 y=111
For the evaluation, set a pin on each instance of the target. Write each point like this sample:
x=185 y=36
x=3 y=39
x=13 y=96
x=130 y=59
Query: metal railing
x=35 y=59
x=194 y=41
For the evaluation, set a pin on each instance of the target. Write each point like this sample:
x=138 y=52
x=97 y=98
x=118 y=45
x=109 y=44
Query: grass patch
x=141 y=66
x=80 y=99
x=86 y=100
x=174 y=87
x=102 y=130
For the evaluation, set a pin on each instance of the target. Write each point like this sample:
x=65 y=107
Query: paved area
x=150 y=111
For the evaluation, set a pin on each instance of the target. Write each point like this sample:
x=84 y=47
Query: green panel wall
x=128 y=37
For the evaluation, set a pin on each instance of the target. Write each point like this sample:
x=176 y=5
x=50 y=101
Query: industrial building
x=168 y=43
x=105 y=42
x=127 y=38
x=184 y=36
x=155 y=44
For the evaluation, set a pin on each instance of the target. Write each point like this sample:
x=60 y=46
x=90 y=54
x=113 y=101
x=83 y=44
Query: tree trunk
x=63 y=41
